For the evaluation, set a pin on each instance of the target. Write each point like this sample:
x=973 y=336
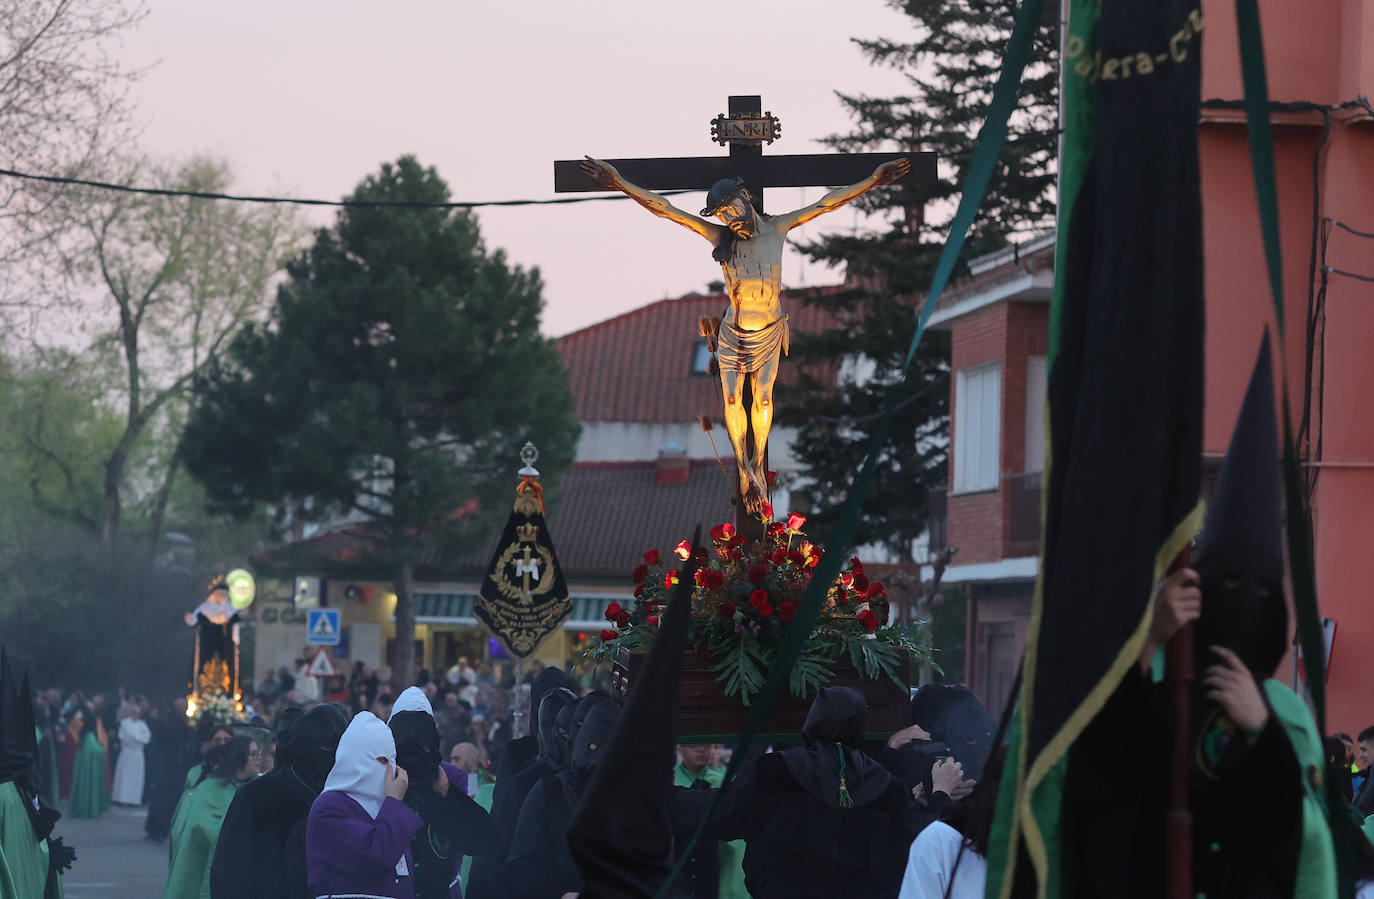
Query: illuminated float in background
x=215 y=685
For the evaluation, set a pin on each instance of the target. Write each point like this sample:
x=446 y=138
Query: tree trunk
x=403 y=671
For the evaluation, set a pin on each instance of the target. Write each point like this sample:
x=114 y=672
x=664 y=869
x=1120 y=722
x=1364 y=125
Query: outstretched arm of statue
x=887 y=173
x=605 y=174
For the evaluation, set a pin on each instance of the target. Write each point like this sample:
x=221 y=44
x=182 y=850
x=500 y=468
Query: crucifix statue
x=753 y=333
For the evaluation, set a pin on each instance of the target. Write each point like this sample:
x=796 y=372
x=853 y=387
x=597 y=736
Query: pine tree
x=400 y=373
x=951 y=64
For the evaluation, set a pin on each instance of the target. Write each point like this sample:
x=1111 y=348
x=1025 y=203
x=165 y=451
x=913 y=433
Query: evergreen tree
x=400 y=373
x=951 y=65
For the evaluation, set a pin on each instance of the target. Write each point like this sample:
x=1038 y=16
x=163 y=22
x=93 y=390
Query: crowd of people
x=435 y=794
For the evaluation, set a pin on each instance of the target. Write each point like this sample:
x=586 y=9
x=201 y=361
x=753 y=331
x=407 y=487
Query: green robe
x=48 y=754
x=192 y=778
x=23 y=857
x=730 y=854
x=90 y=791
x=482 y=798
x=194 y=834
x=1316 y=878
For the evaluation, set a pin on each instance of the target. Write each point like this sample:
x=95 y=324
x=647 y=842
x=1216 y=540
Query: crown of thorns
x=723 y=192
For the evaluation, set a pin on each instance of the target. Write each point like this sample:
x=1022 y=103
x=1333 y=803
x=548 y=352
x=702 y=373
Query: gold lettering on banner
x=1119 y=68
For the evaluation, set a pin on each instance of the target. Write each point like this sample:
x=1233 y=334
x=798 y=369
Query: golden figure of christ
x=753 y=333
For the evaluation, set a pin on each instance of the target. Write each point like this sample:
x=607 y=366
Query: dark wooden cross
x=746 y=129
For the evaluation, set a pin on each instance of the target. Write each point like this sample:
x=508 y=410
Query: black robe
x=261 y=848
x=169 y=756
x=251 y=856
x=1247 y=825
x=802 y=841
x=454 y=826
x=540 y=865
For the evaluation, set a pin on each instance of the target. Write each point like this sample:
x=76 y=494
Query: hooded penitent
x=622 y=835
x=521 y=769
x=417 y=737
x=957 y=722
x=18 y=738
x=357 y=771
x=553 y=740
x=594 y=720
x=830 y=767
x=266 y=820
x=1239 y=553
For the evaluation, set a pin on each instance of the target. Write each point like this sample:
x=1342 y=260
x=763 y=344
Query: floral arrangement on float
x=747 y=594
x=222 y=706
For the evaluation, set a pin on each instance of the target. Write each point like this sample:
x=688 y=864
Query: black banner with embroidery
x=524 y=597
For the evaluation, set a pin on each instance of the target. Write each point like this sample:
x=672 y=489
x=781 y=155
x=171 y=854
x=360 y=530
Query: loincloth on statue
x=748 y=351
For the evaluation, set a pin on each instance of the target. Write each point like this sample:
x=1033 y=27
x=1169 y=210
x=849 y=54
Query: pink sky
x=305 y=97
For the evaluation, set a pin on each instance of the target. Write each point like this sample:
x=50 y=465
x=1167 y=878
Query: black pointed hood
x=18 y=743
x=553 y=741
x=957 y=720
x=622 y=834
x=310 y=741
x=1239 y=554
x=545 y=682
x=1244 y=526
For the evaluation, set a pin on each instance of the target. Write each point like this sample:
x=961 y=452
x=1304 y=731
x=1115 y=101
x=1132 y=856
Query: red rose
x=771 y=477
x=797 y=558
x=868 y=620
x=651 y=557
x=778 y=556
x=734 y=554
x=758 y=573
x=726 y=609
x=795 y=522
x=639 y=589
x=814 y=559
x=653 y=619
x=614 y=611
x=860 y=580
x=640 y=573
x=775 y=528
x=767 y=510
x=842 y=597
x=856 y=564
x=669 y=578
x=759 y=600
x=847 y=580
x=723 y=531
x=787 y=611
x=608 y=635
x=683 y=550
x=876 y=591
x=712 y=579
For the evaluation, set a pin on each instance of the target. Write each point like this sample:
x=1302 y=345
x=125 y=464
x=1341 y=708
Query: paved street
x=113 y=858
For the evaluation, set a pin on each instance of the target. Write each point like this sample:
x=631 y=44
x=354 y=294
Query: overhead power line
x=297 y=201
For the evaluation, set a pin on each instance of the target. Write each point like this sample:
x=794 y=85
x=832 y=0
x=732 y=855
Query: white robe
x=931 y=860
x=128 y=773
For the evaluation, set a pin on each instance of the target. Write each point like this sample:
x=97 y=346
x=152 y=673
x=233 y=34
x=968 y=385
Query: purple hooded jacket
x=350 y=854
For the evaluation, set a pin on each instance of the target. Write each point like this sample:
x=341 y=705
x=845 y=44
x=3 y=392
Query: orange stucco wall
x=1322 y=52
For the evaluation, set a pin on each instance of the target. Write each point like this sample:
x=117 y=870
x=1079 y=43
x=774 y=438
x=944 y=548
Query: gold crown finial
x=527 y=533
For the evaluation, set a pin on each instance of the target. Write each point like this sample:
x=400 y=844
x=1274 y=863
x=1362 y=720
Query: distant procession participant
x=359 y=830
x=90 y=790
x=196 y=830
x=266 y=821
x=30 y=860
x=695 y=767
x=455 y=825
x=822 y=819
x=526 y=761
x=129 y=770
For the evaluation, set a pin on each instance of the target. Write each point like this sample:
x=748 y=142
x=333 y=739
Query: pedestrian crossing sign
x=322 y=665
x=322 y=626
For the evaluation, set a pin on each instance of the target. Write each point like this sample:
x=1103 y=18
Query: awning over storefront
x=444 y=607
x=453 y=607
